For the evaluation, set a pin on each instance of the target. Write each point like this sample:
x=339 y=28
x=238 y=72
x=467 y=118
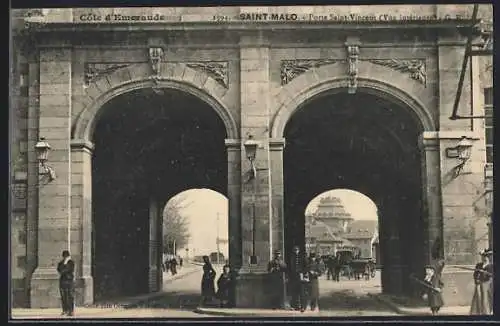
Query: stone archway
x=389 y=85
x=133 y=78
x=316 y=84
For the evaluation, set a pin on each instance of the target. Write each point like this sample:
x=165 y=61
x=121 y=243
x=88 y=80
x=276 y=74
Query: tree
x=175 y=225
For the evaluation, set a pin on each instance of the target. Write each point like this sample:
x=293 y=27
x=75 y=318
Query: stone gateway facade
x=333 y=96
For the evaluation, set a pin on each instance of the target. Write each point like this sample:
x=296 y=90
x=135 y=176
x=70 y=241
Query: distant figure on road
x=66 y=268
x=207 y=282
x=337 y=268
x=482 y=300
x=167 y=265
x=277 y=280
x=180 y=262
x=316 y=268
x=224 y=286
x=173 y=265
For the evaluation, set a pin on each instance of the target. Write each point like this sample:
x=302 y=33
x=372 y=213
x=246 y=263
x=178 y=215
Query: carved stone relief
x=218 y=70
x=155 y=59
x=416 y=67
x=96 y=71
x=291 y=69
x=352 y=60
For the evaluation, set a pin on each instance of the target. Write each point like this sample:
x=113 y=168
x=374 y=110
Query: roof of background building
x=361 y=229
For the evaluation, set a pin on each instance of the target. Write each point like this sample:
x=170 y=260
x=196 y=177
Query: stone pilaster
x=256 y=234
x=32 y=196
x=233 y=147
x=81 y=219
x=54 y=198
x=459 y=194
x=255 y=117
x=450 y=58
x=154 y=248
x=276 y=147
x=431 y=195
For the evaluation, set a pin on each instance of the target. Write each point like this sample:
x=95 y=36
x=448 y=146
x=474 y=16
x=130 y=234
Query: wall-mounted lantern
x=42 y=149
x=462 y=151
x=251 y=151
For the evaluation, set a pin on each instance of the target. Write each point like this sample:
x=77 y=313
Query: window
x=488 y=124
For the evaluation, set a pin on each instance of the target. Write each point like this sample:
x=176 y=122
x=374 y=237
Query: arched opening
x=149 y=146
x=344 y=223
x=195 y=223
x=368 y=144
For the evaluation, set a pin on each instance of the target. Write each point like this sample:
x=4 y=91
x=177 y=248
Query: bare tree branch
x=175 y=224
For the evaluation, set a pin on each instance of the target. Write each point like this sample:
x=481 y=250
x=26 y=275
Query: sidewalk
x=110 y=307
x=248 y=312
x=400 y=307
x=186 y=270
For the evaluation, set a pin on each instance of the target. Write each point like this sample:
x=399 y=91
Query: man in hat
x=316 y=268
x=482 y=299
x=277 y=280
x=434 y=287
x=66 y=268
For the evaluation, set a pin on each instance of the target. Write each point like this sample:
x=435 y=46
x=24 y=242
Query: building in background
x=330 y=228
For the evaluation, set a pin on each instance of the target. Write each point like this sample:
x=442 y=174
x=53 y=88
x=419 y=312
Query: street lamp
x=462 y=151
x=251 y=152
x=42 y=149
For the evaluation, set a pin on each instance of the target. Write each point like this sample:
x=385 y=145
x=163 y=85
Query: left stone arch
x=137 y=76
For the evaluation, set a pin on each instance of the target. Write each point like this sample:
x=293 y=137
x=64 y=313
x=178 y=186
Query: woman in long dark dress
x=207 y=281
x=224 y=284
x=482 y=300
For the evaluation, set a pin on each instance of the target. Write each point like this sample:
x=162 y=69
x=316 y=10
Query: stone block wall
x=19 y=189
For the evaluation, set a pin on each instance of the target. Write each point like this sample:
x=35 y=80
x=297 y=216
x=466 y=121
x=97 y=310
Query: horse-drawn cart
x=363 y=267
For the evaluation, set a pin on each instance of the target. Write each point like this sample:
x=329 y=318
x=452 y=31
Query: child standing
x=433 y=290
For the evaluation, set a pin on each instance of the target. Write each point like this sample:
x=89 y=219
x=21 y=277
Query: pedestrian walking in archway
x=66 y=268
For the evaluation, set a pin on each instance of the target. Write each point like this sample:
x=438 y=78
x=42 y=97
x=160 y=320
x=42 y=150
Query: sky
x=202 y=216
x=205 y=204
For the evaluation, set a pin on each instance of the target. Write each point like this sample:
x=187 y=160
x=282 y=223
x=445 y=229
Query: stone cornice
x=277 y=143
x=256 y=26
x=234 y=144
x=452 y=134
x=82 y=144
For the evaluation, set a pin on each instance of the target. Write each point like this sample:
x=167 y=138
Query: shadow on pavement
x=349 y=300
x=170 y=300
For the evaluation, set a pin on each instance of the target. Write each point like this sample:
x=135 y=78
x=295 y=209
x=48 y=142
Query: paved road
x=345 y=298
x=350 y=298
x=180 y=297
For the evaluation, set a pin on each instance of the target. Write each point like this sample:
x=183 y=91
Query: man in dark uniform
x=66 y=269
x=297 y=279
x=276 y=269
x=316 y=268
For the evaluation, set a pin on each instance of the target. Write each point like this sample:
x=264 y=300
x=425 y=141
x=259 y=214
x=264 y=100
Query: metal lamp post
x=251 y=152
